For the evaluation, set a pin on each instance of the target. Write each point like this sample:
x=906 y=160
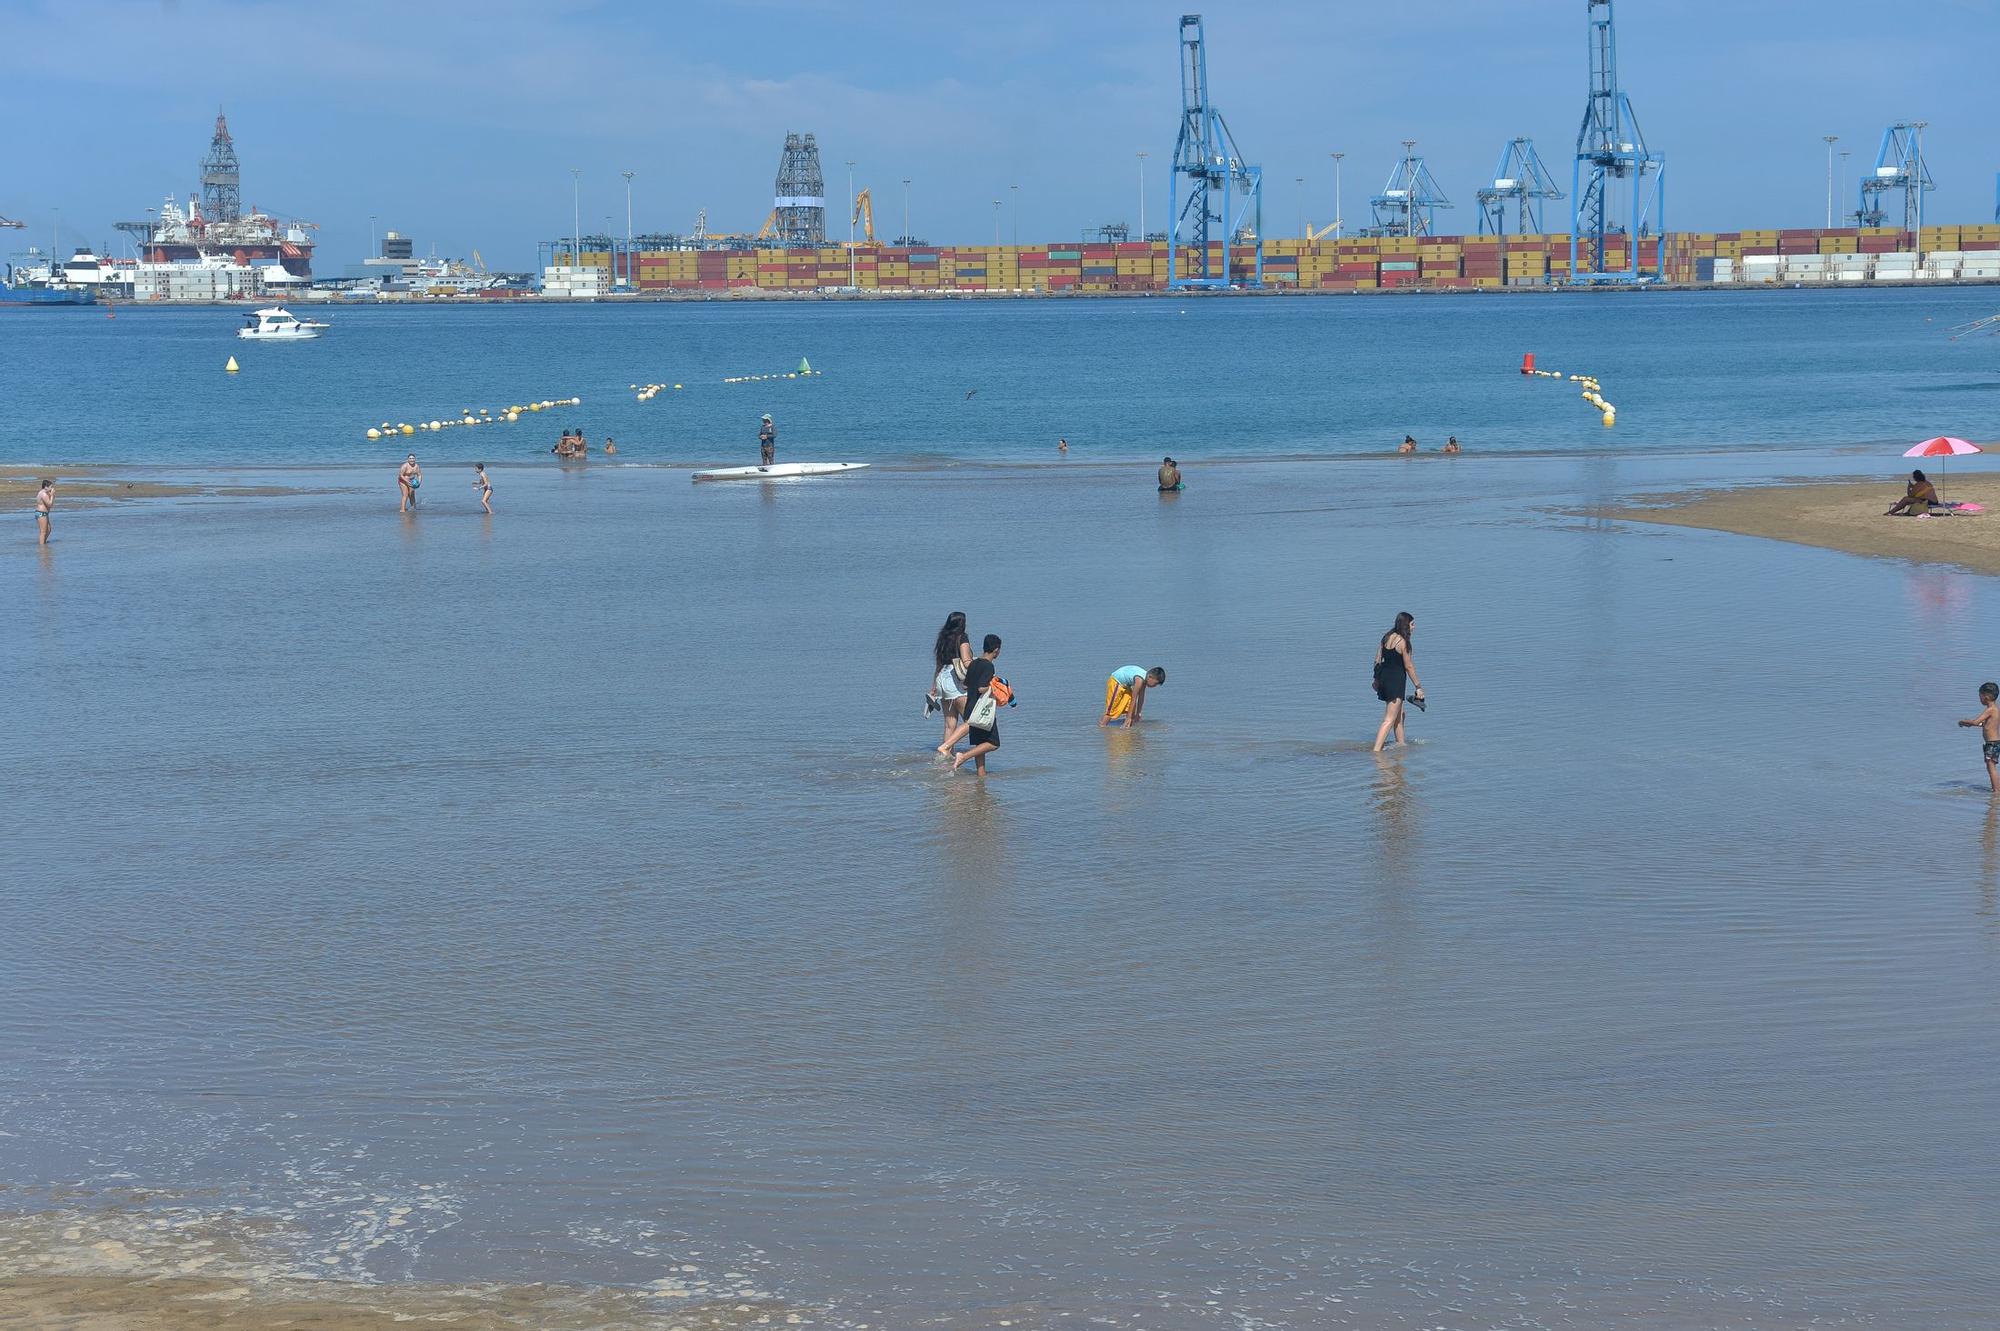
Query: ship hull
x=31 y=298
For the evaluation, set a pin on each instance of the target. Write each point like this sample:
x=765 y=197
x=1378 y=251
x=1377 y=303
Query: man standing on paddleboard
x=767 y=440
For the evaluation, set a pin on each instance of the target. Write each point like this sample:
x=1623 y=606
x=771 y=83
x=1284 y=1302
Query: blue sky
x=458 y=122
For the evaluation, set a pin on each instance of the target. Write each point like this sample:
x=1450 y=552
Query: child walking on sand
x=1988 y=722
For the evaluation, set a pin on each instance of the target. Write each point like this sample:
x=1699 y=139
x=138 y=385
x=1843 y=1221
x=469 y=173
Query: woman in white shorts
x=950 y=658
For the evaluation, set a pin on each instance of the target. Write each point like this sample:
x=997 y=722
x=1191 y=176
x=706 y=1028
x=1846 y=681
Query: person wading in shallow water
x=409 y=476
x=1396 y=670
x=767 y=441
x=45 y=507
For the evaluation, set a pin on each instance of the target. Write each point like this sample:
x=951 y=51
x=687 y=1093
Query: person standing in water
x=978 y=683
x=767 y=440
x=409 y=476
x=951 y=658
x=1988 y=722
x=1062 y=446
x=1451 y=445
x=45 y=507
x=483 y=486
x=1125 y=693
x=1396 y=670
x=1409 y=445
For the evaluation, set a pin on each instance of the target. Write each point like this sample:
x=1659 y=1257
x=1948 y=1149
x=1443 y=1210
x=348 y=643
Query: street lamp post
x=850 y=222
x=1014 y=192
x=1831 y=139
x=1301 y=180
x=1844 y=155
x=371 y=235
x=576 y=217
x=906 y=210
x=1142 y=196
x=1921 y=126
x=628 y=222
x=996 y=224
x=1339 y=217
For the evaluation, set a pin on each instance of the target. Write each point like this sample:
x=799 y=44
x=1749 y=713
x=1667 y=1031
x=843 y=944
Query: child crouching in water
x=1988 y=722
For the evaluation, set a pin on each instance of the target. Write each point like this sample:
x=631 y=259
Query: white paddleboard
x=779 y=471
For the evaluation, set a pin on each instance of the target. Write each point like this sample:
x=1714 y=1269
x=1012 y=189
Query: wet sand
x=1845 y=515
x=156 y=1303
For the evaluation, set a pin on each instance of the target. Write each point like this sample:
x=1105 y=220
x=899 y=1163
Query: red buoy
x=1528 y=363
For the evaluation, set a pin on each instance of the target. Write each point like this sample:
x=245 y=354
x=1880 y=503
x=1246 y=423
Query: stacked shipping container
x=1347 y=264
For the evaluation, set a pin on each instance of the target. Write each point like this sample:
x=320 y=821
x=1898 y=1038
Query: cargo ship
x=33 y=282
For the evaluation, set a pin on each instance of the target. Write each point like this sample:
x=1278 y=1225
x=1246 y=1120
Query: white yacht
x=277 y=325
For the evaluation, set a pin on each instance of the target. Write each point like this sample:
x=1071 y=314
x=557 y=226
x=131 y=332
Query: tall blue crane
x=1403 y=208
x=1223 y=193
x=1610 y=148
x=1899 y=168
x=1523 y=179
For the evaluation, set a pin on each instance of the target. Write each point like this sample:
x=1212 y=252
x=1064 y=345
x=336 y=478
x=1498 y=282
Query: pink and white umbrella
x=1944 y=446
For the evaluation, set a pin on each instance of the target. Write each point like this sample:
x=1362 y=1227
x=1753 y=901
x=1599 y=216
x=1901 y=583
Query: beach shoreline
x=1843 y=515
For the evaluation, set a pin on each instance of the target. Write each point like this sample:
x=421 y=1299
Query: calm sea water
x=571 y=896
x=962 y=379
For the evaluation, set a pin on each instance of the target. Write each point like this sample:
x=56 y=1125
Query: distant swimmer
x=484 y=486
x=1408 y=445
x=1396 y=670
x=1988 y=722
x=1170 y=476
x=1062 y=447
x=610 y=449
x=969 y=392
x=1125 y=693
x=408 y=477
x=45 y=507
x=767 y=440
x=1451 y=445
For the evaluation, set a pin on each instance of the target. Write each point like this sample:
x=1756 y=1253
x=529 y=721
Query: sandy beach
x=1843 y=515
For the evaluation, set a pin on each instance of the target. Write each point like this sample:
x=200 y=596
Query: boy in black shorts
x=978 y=680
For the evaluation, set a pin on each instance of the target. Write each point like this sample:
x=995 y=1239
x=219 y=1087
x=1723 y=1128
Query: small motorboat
x=277 y=325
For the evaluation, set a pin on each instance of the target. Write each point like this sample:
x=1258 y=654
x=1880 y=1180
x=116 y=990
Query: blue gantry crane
x=1404 y=206
x=1223 y=192
x=1522 y=180
x=1899 y=169
x=1610 y=149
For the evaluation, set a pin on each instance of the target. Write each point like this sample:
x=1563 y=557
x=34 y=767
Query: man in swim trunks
x=1125 y=693
x=45 y=507
x=1170 y=475
x=767 y=440
x=409 y=476
x=1988 y=722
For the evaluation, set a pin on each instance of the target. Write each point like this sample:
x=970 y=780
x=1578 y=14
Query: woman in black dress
x=1395 y=670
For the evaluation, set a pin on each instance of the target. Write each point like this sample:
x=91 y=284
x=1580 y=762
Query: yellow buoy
x=1610 y=418
x=374 y=433
x=232 y=367
x=409 y=429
